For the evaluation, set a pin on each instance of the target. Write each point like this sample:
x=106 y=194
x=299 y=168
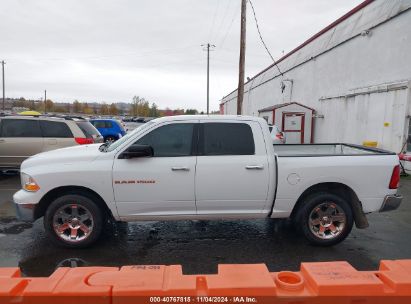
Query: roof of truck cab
x=207 y=117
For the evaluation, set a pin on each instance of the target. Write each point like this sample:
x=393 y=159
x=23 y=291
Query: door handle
x=254 y=167
x=180 y=169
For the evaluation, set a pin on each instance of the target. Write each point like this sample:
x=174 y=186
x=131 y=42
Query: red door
x=293 y=127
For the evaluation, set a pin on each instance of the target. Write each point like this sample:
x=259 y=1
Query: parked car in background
x=276 y=135
x=88 y=129
x=24 y=136
x=110 y=129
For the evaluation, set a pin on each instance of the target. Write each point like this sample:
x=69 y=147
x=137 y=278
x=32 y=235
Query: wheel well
x=335 y=188
x=56 y=192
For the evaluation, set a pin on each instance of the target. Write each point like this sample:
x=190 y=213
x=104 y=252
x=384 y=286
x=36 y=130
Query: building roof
x=308 y=41
x=284 y=105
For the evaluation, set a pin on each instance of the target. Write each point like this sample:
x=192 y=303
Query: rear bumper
x=391 y=202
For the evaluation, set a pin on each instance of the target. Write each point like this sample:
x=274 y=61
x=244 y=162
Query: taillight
x=395 y=178
x=84 y=141
x=279 y=136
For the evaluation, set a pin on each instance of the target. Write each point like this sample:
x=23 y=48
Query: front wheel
x=73 y=220
x=325 y=219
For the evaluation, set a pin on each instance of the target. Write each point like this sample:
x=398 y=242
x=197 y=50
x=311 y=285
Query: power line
x=225 y=14
x=213 y=22
x=229 y=27
x=158 y=52
x=262 y=40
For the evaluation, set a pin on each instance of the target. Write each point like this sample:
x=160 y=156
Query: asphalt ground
x=199 y=246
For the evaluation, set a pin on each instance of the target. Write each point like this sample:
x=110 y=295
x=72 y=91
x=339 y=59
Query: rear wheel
x=325 y=219
x=73 y=220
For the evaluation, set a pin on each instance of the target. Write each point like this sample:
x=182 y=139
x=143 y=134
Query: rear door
x=19 y=139
x=232 y=173
x=56 y=135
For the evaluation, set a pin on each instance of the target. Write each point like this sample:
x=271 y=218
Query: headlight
x=28 y=183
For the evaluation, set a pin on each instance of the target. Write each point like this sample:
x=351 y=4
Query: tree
x=178 y=112
x=135 y=106
x=113 y=109
x=77 y=107
x=49 y=106
x=191 y=112
x=59 y=109
x=104 y=109
x=87 y=109
x=154 y=110
x=145 y=109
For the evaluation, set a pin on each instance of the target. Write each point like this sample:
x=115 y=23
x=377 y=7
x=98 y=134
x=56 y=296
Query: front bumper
x=391 y=202
x=26 y=203
x=25 y=212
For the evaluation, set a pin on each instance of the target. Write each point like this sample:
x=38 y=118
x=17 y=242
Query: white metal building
x=355 y=76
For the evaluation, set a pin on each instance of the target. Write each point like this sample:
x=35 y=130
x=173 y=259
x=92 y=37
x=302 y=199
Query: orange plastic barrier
x=314 y=283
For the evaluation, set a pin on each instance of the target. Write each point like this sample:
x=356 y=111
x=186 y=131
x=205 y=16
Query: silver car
x=24 y=136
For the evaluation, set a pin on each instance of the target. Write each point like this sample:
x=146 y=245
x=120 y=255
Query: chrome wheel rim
x=73 y=222
x=327 y=220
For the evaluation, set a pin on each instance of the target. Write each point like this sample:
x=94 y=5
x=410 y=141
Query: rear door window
x=55 y=129
x=108 y=124
x=20 y=128
x=226 y=139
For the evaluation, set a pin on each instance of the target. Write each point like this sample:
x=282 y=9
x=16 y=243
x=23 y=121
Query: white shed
x=293 y=119
x=355 y=73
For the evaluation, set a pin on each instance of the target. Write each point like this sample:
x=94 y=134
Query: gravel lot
x=201 y=245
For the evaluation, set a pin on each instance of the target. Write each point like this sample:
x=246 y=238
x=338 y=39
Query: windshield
x=125 y=138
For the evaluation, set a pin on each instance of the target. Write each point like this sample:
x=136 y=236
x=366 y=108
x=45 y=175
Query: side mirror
x=137 y=151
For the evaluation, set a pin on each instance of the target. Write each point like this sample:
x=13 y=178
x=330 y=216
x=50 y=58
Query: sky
x=110 y=51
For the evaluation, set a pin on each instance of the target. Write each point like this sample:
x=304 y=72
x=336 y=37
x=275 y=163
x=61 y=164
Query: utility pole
x=4 y=88
x=45 y=101
x=240 y=91
x=208 y=45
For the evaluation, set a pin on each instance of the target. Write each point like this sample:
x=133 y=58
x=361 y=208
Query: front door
x=293 y=127
x=162 y=184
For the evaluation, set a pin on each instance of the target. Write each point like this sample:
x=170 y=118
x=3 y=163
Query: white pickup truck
x=206 y=167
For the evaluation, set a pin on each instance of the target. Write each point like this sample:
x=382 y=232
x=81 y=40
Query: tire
x=324 y=219
x=73 y=221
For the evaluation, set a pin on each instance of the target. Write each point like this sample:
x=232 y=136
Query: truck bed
x=333 y=149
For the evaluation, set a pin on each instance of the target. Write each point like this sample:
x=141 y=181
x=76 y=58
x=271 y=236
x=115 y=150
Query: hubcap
x=73 y=222
x=327 y=220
